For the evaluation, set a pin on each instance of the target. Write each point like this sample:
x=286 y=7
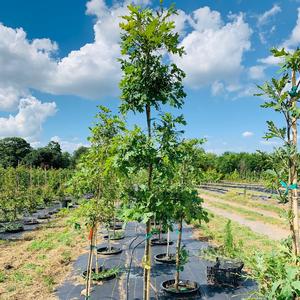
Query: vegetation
x=15 y=151
x=285 y=102
x=23 y=190
x=148 y=83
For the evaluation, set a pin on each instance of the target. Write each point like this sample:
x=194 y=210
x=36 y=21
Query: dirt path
x=237 y=205
x=273 y=232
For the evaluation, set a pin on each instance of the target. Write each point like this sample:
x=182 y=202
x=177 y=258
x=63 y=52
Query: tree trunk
x=168 y=243
x=147 y=258
x=89 y=266
x=95 y=249
x=108 y=240
x=178 y=249
x=294 y=179
x=159 y=234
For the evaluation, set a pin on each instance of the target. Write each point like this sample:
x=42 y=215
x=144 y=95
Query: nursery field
x=48 y=263
x=144 y=211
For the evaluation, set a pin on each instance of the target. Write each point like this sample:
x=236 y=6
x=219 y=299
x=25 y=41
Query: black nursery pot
x=100 y=269
x=117 y=227
x=164 y=259
x=43 y=217
x=105 y=251
x=114 y=238
x=160 y=242
x=14 y=229
x=186 y=287
x=31 y=222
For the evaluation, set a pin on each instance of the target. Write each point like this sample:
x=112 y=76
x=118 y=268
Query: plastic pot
x=31 y=222
x=160 y=242
x=186 y=287
x=114 y=238
x=105 y=251
x=100 y=270
x=14 y=228
x=117 y=227
x=162 y=258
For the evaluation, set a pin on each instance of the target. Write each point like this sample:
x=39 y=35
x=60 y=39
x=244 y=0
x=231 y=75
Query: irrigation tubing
x=130 y=264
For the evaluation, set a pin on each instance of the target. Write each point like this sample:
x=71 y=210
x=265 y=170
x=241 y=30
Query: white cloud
x=247 y=134
x=257 y=72
x=205 y=60
x=27 y=123
x=69 y=145
x=267 y=15
x=217 y=88
x=204 y=18
x=294 y=38
x=290 y=43
x=180 y=21
x=24 y=64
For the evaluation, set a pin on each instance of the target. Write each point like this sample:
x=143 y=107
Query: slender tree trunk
x=147 y=258
x=89 y=266
x=294 y=178
x=159 y=234
x=95 y=249
x=108 y=240
x=178 y=249
x=168 y=243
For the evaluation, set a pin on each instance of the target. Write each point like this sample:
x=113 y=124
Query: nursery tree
x=283 y=99
x=186 y=202
x=95 y=174
x=149 y=81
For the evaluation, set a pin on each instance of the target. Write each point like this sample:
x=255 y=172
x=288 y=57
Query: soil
x=47 y=264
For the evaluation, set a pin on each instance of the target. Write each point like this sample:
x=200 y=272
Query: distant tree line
x=232 y=165
x=16 y=151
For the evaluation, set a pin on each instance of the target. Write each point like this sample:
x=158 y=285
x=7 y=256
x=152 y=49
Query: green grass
x=21 y=277
x=233 y=197
x=53 y=240
x=49 y=282
x=250 y=215
x=242 y=235
x=2 y=277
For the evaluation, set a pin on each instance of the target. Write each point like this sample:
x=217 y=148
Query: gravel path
x=272 y=231
x=237 y=205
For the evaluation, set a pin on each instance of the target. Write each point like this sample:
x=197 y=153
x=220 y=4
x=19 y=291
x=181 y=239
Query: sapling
x=187 y=204
x=148 y=82
x=283 y=99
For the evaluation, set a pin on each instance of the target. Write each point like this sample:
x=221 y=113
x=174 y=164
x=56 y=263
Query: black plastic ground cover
x=195 y=270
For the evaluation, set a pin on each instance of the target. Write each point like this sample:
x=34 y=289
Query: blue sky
x=58 y=62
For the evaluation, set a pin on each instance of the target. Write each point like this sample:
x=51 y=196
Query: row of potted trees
x=24 y=190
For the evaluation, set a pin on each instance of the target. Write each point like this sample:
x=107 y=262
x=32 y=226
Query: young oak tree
x=186 y=202
x=96 y=175
x=149 y=81
x=284 y=99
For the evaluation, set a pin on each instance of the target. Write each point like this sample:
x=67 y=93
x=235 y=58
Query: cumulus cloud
x=205 y=61
x=247 y=134
x=267 y=15
x=24 y=64
x=257 y=72
x=27 y=123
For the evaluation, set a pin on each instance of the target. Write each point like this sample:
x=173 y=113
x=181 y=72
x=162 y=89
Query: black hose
x=130 y=264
